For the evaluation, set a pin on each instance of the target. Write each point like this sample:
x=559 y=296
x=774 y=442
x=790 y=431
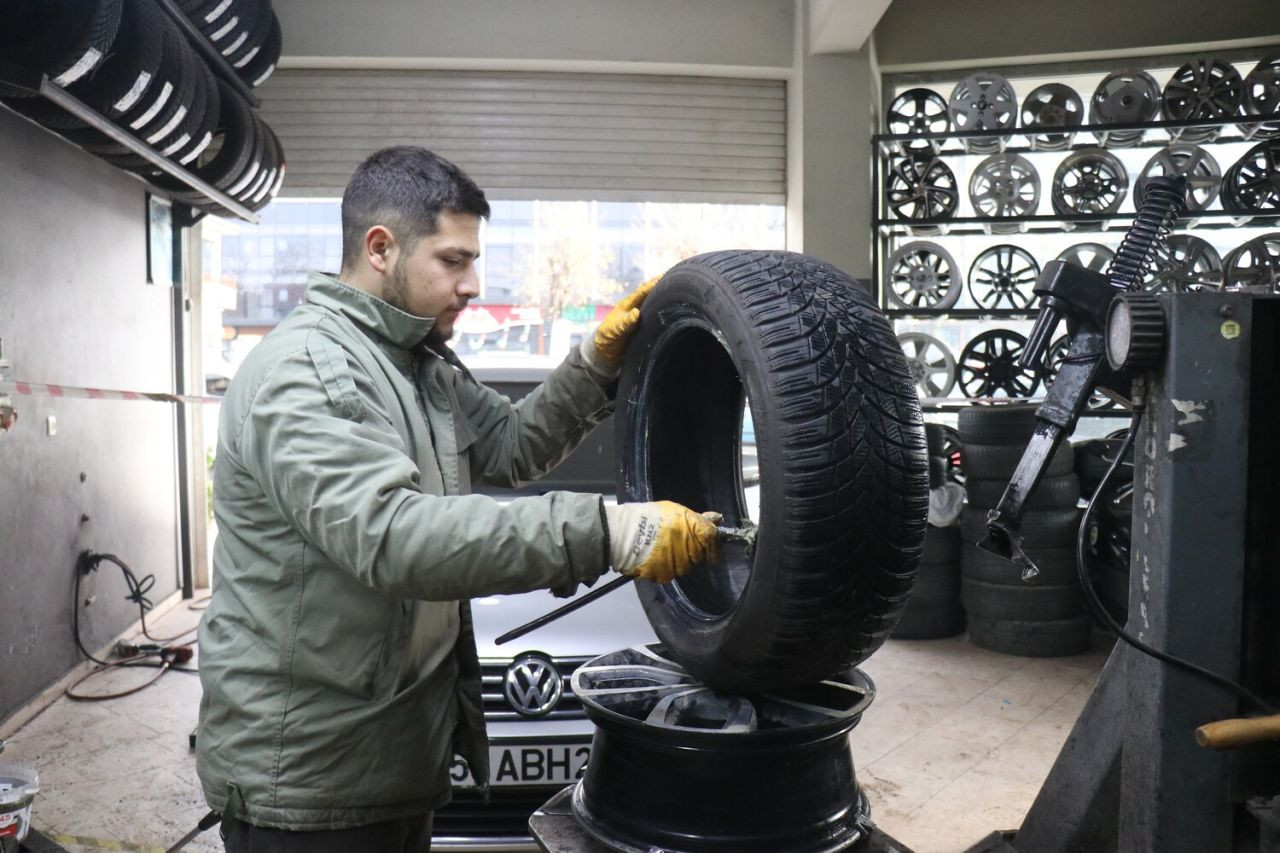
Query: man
x=337 y=658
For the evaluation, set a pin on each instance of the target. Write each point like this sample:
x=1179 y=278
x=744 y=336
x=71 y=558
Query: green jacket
x=337 y=658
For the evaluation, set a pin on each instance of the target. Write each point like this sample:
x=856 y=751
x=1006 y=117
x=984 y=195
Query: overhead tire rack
x=160 y=136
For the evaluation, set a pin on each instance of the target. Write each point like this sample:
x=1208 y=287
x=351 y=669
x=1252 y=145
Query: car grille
x=496 y=708
x=505 y=815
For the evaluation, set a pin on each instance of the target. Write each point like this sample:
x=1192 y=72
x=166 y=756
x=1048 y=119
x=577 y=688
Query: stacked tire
x=132 y=63
x=934 y=609
x=1107 y=539
x=1044 y=616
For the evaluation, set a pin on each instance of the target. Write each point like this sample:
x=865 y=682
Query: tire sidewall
x=691 y=296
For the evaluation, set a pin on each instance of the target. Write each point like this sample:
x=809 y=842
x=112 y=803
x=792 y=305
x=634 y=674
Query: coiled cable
x=1163 y=203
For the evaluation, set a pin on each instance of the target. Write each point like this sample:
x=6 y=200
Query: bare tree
x=568 y=264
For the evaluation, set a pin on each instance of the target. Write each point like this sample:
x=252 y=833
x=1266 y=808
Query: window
x=549 y=269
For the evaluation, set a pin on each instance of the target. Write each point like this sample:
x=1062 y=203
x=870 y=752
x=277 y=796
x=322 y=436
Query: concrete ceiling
x=842 y=26
x=924 y=33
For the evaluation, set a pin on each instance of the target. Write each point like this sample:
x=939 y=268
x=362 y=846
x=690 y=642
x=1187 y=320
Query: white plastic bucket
x=18 y=787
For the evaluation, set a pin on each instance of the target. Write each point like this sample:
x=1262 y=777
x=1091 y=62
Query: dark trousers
x=405 y=835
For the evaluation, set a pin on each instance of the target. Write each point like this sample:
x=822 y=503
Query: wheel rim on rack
x=988 y=366
x=1094 y=257
x=1254 y=265
x=1003 y=276
x=1253 y=183
x=932 y=365
x=1128 y=96
x=922 y=276
x=1089 y=181
x=667 y=745
x=918 y=111
x=1262 y=97
x=1191 y=162
x=983 y=101
x=1189 y=264
x=1206 y=88
x=1053 y=105
x=922 y=187
x=1005 y=186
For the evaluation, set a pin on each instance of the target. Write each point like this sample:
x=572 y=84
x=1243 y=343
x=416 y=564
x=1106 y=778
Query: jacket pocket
x=343 y=630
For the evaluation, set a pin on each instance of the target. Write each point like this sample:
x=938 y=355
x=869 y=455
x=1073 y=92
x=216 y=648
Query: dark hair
x=404 y=188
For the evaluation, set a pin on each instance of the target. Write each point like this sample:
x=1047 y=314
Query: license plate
x=528 y=764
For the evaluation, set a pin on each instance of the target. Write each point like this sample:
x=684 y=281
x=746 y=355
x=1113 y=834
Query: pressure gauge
x=1135 y=332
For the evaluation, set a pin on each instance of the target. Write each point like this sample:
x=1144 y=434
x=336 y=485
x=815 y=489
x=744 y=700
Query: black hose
x=1101 y=614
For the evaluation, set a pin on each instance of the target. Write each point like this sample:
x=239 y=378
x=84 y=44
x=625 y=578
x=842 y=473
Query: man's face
x=438 y=277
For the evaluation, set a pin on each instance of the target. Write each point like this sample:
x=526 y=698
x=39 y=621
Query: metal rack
x=19 y=77
x=891 y=232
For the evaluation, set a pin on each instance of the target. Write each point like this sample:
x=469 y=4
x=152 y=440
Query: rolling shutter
x=610 y=137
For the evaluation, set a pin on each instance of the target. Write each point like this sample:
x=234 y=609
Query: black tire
x=938 y=582
x=257 y=28
x=1041 y=528
x=157 y=108
x=66 y=39
x=1050 y=638
x=1057 y=566
x=1094 y=457
x=1029 y=602
x=998 y=461
x=189 y=127
x=935 y=438
x=842 y=460
x=939 y=467
x=1061 y=492
x=263 y=64
x=932 y=620
x=941 y=545
x=997 y=424
x=234 y=144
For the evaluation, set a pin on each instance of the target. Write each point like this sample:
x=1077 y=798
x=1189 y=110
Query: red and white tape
x=35 y=389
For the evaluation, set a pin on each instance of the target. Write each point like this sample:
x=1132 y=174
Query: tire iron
x=745 y=534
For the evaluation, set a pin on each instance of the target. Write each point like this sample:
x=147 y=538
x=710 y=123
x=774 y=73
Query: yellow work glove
x=604 y=349
x=660 y=541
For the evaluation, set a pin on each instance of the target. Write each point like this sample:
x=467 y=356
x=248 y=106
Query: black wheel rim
x=988 y=366
x=1253 y=183
x=922 y=187
x=1053 y=105
x=1089 y=181
x=1204 y=88
x=1125 y=97
x=1003 y=277
x=918 y=111
x=1262 y=95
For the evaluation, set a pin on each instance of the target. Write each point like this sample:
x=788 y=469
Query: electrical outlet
x=51 y=425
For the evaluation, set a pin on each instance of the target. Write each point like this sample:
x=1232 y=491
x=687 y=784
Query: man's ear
x=380 y=248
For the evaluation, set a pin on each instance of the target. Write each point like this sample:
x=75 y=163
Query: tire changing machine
x=1205 y=566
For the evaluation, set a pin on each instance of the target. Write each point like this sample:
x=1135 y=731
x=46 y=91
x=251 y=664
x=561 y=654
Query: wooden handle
x=1228 y=734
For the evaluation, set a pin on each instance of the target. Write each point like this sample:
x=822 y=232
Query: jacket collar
x=367 y=311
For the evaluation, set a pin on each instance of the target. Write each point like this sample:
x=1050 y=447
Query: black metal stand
x=1130 y=776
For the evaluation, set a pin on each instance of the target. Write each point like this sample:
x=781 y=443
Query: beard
x=396 y=294
x=396 y=291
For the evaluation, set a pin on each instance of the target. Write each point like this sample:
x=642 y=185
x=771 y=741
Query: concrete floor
x=955 y=745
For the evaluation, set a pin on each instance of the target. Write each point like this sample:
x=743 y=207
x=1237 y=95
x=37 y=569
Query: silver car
x=539 y=736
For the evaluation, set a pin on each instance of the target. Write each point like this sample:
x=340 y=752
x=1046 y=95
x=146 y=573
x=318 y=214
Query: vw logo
x=533 y=686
